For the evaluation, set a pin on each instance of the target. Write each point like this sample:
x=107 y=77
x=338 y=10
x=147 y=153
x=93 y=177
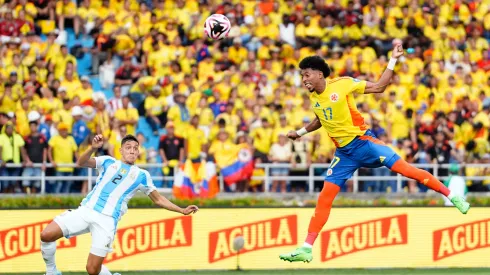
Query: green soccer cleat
x=302 y=254
x=461 y=204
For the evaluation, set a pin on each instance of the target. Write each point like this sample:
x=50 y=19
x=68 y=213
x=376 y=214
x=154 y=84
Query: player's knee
x=47 y=236
x=93 y=269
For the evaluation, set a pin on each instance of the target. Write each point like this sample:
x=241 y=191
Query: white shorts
x=83 y=220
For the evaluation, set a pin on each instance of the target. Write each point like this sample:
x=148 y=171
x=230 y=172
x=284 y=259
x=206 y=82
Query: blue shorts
x=363 y=151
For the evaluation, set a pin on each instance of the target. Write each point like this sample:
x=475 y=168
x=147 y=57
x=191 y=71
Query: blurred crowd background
x=72 y=69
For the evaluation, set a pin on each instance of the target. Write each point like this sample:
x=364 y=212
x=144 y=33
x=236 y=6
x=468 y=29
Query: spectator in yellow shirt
x=194 y=140
x=179 y=114
x=11 y=148
x=127 y=116
x=62 y=150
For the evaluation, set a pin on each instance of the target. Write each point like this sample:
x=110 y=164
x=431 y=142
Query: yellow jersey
x=336 y=109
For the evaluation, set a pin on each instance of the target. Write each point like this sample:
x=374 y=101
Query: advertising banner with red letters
x=154 y=239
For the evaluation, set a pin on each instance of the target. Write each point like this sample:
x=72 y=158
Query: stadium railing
x=267 y=178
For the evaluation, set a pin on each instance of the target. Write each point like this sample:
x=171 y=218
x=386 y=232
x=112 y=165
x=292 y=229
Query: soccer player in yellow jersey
x=335 y=109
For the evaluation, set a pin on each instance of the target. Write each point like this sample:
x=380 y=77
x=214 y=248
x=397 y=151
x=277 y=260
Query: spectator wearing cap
x=22 y=73
x=156 y=109
x=62 y=150
x=179 y=114
x=127 y=116
x=36 y=148
x=80 y=131
x=64 y=115
x=195 y=140
x=171 y=150
x=12 y=148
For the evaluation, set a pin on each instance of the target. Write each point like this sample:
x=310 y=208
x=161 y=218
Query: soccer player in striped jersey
x=101 y=210
x=335 y=109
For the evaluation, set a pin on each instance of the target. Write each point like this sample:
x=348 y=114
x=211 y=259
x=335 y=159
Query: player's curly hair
x=315 y=63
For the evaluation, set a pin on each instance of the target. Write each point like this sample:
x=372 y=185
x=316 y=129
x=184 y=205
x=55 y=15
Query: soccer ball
x=217 y=26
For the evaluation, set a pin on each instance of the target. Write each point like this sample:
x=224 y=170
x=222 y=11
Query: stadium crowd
x=203 y=95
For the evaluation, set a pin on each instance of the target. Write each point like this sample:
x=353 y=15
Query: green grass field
x=448 y=271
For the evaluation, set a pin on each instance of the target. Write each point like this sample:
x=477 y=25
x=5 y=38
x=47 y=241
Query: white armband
x=301 y=132
x=392 y=63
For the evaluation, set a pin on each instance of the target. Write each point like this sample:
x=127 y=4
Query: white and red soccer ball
x=217 y=26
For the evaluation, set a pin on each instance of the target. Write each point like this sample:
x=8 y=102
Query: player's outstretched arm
x=86 y=160
x=165 y=203
x=311 y=127
x=384 y=80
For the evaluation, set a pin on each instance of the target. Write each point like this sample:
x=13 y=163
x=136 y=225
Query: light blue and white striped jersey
x=116 y=185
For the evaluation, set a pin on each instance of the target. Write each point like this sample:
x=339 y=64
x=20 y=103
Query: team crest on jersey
x=329 y=172
x=132 y=176
x=114 y=166
x=334 y=97
x=123 y=171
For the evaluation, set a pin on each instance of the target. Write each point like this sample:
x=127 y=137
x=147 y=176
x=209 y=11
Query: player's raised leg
x=384 y=155
x=341 y=169
x=404 y=168
x=49 y=235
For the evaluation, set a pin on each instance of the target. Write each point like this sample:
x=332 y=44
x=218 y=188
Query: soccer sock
x=402 y=167
x=48 y=250
x=322 y=211
x=104 y=270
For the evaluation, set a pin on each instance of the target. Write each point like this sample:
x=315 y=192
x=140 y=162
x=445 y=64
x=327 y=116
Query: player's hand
x=98 y=141
x=397 y=51
x=293 y=135
x=191 y=209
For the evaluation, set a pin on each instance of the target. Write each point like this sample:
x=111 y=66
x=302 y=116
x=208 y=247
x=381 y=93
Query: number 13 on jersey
x=327 y=112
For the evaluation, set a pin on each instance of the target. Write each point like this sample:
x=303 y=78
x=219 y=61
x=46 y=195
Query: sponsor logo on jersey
x=317 y=105
x=334 y=97
x=461 y=238
x=282 y=231
x=357 y=237
x=26 y=239
x=151 y=236
x=381 y=159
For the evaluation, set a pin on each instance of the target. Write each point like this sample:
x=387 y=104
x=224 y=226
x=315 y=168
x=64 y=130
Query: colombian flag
x=236 y=164
x=196 y=180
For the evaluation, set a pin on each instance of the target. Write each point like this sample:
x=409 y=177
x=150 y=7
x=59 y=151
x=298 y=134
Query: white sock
x=307 y=245
x=48 y=250
x=104 y=270
x=450 y=196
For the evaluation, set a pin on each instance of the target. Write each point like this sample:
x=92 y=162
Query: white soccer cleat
x=116 y=273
